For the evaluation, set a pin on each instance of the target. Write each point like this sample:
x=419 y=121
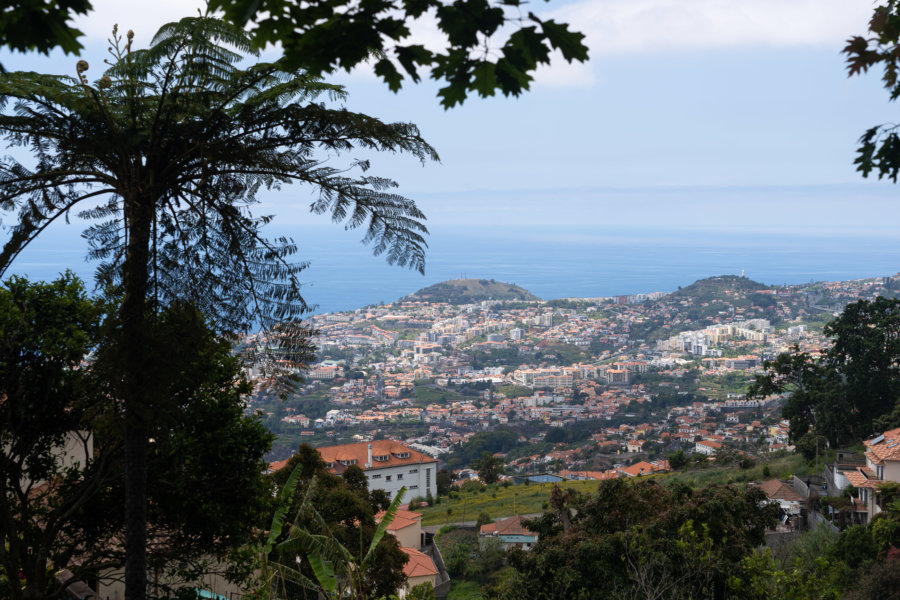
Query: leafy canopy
x=178 y=139
x=879 y=146
x=326 y=35
x=851 y=389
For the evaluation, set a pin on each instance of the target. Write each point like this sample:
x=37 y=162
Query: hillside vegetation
x=464 y=291
x=719 y=288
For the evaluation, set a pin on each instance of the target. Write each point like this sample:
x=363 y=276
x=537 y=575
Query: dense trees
x=639 y=539
x=852 y=388
x=61 y=434
x=345 y=510
x=168 y=150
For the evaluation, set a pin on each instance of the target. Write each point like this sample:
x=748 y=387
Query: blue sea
x=551 y=262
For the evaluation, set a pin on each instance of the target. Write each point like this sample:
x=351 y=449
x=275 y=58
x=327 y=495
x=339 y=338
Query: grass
x=425 y=395
x=780 y=468
x=497 y=501
x=463 y=589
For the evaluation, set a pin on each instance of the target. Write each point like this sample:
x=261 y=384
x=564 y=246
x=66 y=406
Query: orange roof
x=278 y=465
x=710 y=443
x=858 y=479
x=641 y=468
x=360 y=453
x=776 y=490
x=403 y=519
x=886 y=448
x=419 y=565
x=510 y=526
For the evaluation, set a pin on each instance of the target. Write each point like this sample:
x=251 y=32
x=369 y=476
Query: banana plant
x=338 y=574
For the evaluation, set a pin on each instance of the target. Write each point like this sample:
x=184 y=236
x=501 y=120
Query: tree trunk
x=139 y=215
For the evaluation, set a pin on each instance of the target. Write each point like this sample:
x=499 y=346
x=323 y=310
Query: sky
x=701 y=115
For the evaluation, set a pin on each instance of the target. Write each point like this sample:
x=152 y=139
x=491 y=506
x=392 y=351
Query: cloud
x=617 y=27
x=143 y=16
x=613 y=27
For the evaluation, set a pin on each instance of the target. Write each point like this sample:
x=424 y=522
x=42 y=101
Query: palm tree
x=167 y=151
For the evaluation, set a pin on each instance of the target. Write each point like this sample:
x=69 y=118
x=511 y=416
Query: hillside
x=463 y=291
x=719 y=288
x=707 y=302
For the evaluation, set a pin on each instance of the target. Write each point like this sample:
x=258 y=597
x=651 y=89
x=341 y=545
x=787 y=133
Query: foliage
x=501 y=439
x=879 y=146
x=640 y=539
x=443 y=481
x=167 y=151
x=46 y=331
x=844 y=392
x=61 y=431
x=343 y=509
x=465 y=291
x=489 y=468
x=678 y=460
x=41 y=25
x=423 y=591
x=326 y=35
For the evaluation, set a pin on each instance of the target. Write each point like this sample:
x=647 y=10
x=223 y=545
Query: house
x=388 y=465
x=645 y=468
x=634 y=445
x=418 y=570
x=784 y=495
x=510 y=532
x=707 y=447
x=882 y=464
x=406 y=527
x=425 y=564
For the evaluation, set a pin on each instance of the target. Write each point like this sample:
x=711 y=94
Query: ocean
x=551 y=262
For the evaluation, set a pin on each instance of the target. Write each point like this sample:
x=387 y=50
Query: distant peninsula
x=720 y=287
x=464 y=291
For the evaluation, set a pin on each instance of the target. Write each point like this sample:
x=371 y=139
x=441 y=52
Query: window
x=387 y=477
x=413 y=487
x=376 y=476
x=411 y=471
x=399 y=476
x=428 y=478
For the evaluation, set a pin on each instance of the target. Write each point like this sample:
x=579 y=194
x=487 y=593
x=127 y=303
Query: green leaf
x=385 y=69
x=324 y=571
x=569 y=43
x=285 y=497
x=484 y=78
x=389 y=515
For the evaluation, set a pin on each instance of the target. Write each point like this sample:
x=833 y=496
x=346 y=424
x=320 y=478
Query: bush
x=483 y=519
x=423 y=591
x=471 y=486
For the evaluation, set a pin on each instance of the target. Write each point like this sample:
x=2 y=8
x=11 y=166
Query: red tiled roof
x=510 y=526
x=360 y=453
x=419 y=565
x=403 y=519
x=777 y=490
x=858 y=479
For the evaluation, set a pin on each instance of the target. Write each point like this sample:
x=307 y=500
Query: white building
x=388 y=465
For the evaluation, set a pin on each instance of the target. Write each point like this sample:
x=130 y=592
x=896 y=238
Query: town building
x=388 y=465
x=510 y=532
